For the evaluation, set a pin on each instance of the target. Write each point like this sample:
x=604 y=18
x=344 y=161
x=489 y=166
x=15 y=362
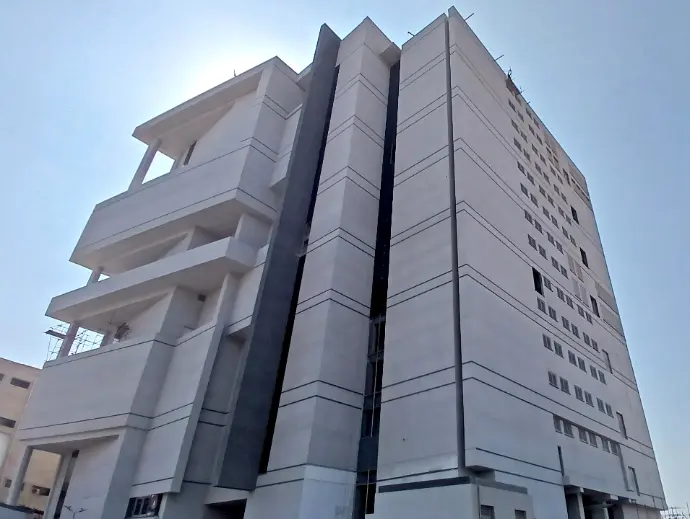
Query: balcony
x=212 y=196
x=95 y=390
x=200 y=270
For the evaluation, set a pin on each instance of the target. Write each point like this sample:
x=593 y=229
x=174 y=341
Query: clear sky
x=609 y=78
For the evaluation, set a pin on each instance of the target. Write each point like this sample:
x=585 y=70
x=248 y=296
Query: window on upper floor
x=595 y=345
x=6 y=422
x=581 y=364
x=580 y=311
x=534 y=200
x=547 y=283
x=574 y=213
x=600 y=405
x=528 y=216
x=614 y=448
x=554 y=221
x=566 y=323
x=552 y=314
x=553 y=379
x=608 y=360
x=550 y=200
x=538 y=227
x=605 y=444
x=585 y=337
x=517 y=143
x=486 y=512
x=569 y=301
x=524 y=189
x=571 y=357
x=567 y=219
x=541 y=305
x=558 y=349
x=609 y=410
x=511 y=105
x=542 y=251
x=575 y=331
x=548 y=237
x=565 y=387
x=521 y=168
x=557 y=424
x=547 y=341
x=560 y=294
x=565 y=231
x=520 y=514
x=593 y=372
x=530 y=178
x=524 y=137
x=588 y=398
x=592 y=439
x=532 y=242
x=515 y=125
x=584 y=257
x=534 y=149
x=520 y=116
x=602 y=377
x=541 y=191
x=633 y=477
x=588 y=317
x=568 y=429
x=564 y=271
x=572 y=240
x=545 y=211
x=527 y=155
x=538 y=281
x=188 y=156
x=583 y=435
x=530 y=129
x=554 y=263
x=559 y=247
x=24 y=384
x=595 y=306
x=579 y=394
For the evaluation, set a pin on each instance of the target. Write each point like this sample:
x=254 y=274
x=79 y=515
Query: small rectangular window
x=547 y=283
x=527 y=155
x=559 y=247
x=633 y=477
x=512 y=106
x=557 y=424
x=24 y=384
x=188 y=156
x=555 y=188
x=602 y=377
x=524 y=137
x=528 y=216
x=566 y=323
x=564 y=386
x=584 y=258
x=614 y=448
x=560 y=211
x=541 y=305
x=580 y=311
x=515 y=125
x=530 y=178
x=538 y=284
x=538 y=227
x=520 y=514
x=588 y=317
x=486 y=512
x=595 y=306
x=592 y=439
x=581 y=364
x=583 y=435
x=568 y=429
x=550 y=200
x=609 y=410
x=547 y=341
x=572 y=240
x=520 y=116
x=569 y=301
x=607 y=359
x=552 y=314
x=521 y=167
x=554 y=263
x=528 y=126
x=574 y=213
x=534 y=200
x=560 y=294
x=545 y=211
x=534 y=149
x=567 y=219
x=605 y=444
x=542 y=251
x=524 y=189
x=532 y=242
x=585 y=337
x=593 y=372
x=575 y=331
x=600 y=405
x=6 y=422
x=578 y=393
x=517 y=143
x=558 y=349
x=553 y=379
x=550 y=238
x=571 y=358
x=565 y=231
x=588 y=399
x=595 y=346
x=554 y=221
x=539 y=140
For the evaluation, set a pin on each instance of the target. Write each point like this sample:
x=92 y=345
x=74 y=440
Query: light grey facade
x=287 y=313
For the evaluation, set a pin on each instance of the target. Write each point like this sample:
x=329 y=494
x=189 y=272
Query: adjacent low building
x=16 y=382
x=373 y=288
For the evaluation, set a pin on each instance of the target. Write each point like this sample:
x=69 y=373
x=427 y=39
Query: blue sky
x=608 y=78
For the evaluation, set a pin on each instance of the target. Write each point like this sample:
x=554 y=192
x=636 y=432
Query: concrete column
x=65 y=460
x=574 y=505
x=600 y=512
x=144 y=165
x=19 y=476
x=73 y=329
x=95 y=275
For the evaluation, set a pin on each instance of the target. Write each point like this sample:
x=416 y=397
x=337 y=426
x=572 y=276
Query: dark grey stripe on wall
x=459 y=390
x=250 y=420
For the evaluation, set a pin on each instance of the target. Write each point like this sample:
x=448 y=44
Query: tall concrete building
x=320 y=312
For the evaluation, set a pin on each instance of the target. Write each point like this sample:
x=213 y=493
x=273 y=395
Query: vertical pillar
x=144 y=165
x=574 y=505
x=73 y=329
x=56 y=489
x=19 y=476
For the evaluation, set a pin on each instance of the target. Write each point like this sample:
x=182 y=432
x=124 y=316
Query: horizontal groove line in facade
x=336 y=233
x=299 y=311
x=328 y=290
x=418 y=73
x=319 y=381
x=348 y=167
x=441 y=153
x=402 y=125
x=354 y=81
x=354 y=121
x=351 y=180
x=322 y=398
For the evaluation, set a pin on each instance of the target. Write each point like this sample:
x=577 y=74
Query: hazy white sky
x=608 y=78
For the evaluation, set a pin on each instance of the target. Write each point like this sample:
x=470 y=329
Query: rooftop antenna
x=470 y=16
x=496 y=59
x=408 y=32
x=234 y=74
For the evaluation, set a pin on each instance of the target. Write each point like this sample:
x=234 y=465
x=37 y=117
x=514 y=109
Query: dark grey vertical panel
x=247 y=432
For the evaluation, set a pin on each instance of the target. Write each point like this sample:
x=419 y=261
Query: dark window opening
x=595 y=306
x=574 y=212
x=24 y=384
x=584 y=257
x=608 y=360
x=147 y=506
x=189 y=154
x=538 y=282
x=365 y=494
x=621 y=425
x=7 y=422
